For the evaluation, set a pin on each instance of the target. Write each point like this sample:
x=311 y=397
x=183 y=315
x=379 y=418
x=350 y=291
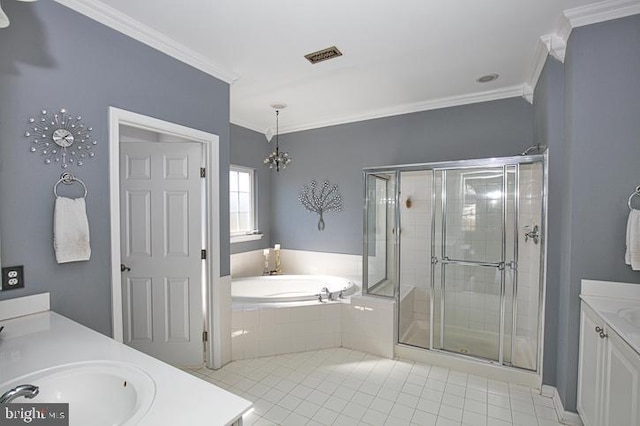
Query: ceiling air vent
x=323 y=55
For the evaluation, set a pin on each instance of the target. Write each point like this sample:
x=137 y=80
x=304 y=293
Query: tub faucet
x=28 y=391
x=326 y=291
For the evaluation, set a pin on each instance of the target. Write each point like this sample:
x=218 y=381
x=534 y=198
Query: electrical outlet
x=12 y=277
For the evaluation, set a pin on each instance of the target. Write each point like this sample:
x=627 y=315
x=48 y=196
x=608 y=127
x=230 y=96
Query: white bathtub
x=288 y=288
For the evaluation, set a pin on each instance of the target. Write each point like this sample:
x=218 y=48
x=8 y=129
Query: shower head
x=538 y=148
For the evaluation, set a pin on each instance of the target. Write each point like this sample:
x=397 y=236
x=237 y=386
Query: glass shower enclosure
x=460 y=245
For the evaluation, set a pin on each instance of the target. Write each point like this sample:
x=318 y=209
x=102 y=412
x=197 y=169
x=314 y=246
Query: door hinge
x=203 y=172
x=205 y=336
x=203 y=254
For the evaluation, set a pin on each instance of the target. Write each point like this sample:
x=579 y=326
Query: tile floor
x=344 y=387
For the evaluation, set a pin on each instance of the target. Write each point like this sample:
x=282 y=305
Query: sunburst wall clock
x=60 y=138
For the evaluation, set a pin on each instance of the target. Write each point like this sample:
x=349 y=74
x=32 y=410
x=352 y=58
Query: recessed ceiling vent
x=323 y=55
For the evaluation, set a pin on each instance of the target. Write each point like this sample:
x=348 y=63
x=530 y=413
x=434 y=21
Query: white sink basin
x=631 y=315
x=98 y=393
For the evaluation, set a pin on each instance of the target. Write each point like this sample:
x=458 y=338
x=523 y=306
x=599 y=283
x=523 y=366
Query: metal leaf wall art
x=321 y=199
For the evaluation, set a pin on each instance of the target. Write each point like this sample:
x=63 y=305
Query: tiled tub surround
x=363 y=323
x=360 y=322
x=299 y=262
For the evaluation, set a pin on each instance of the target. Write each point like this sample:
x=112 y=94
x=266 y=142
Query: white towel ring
x=68 y=179
x=635 y=193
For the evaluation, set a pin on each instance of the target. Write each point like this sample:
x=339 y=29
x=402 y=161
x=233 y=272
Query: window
x=242 y=204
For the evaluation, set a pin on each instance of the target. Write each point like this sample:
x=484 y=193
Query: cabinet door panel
x=621 y=383
x=589 y=368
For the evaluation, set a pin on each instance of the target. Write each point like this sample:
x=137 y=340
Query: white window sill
x=244 y=238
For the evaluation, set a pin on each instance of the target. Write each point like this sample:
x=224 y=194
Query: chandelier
x=277 y=158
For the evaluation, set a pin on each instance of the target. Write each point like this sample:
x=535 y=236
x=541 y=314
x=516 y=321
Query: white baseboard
x=566 y=417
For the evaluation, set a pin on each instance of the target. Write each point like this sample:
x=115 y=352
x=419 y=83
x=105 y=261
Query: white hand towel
x=71 y=230
x=632 y=255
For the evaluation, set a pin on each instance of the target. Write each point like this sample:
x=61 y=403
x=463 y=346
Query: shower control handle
x=534 y=234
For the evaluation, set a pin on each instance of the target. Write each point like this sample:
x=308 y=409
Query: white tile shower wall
x=367 y=325
x=415 y=252
x=266 y=330
x=528 y=262
x=301 y=262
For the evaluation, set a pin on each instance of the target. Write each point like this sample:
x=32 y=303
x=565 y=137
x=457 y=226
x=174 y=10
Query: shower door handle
x=447 y=261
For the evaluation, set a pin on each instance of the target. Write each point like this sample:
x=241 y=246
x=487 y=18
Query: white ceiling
x=398 y=56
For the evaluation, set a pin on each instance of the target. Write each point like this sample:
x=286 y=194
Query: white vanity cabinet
x=608 y=374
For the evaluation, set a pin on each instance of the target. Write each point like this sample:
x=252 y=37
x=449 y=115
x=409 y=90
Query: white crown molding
x=472 y=98
x=549 y=44
x=555 y=44
x=601 y=11
x=527 y=93
x=124 y=24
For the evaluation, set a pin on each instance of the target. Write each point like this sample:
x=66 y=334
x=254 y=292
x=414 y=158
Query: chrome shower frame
x=513 y=163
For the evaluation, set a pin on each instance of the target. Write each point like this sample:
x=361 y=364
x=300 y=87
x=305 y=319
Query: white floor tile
x=307 y=409
x=410 y=401
x=290 y=402
x=475 y=407
x=374 y=418
x=453 y=400
x=336 y=404
x=429 y=406
x=362 y=398
x=325 y=416
x=522 y=419
x=301 y=391
x=443 y=421
x=412 y=389
x=294 y=419
x=345 y=421
x=343 y=387
x=273 y=395
x=402 y=412
x=277 y=414
x=388 y=394
x=547 y=413
x=470 y=418
x=423 y=418
x=451 y=413
x=499 y=413
x=499 y=400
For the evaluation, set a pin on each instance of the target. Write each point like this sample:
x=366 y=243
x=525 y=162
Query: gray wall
x=249 y=149
x=602 y=134
x=53 y=57
x=548 y=119
x=339 y=153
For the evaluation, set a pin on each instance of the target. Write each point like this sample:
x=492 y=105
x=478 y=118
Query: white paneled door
x=161 y=241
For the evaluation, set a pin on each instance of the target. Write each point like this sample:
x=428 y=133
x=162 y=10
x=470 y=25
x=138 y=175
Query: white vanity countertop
x=607 y=299
x=42 y=340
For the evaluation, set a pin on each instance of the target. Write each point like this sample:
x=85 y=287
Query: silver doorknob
x=124 y=268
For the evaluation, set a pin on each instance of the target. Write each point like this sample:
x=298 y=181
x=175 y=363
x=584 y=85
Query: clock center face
x=63 y=138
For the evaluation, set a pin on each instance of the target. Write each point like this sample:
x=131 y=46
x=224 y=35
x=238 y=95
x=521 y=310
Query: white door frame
x=211 y=143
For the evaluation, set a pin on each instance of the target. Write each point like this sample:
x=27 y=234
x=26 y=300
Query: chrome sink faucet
x=28 y=391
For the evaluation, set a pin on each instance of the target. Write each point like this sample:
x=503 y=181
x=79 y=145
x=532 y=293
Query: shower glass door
x=471 y=258
x=380 y=234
